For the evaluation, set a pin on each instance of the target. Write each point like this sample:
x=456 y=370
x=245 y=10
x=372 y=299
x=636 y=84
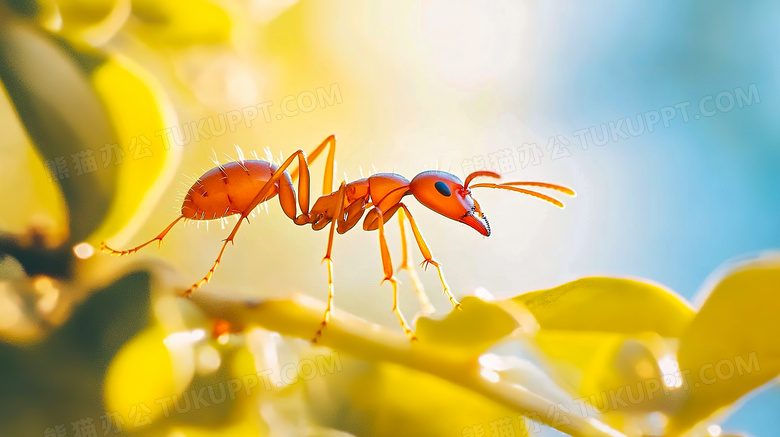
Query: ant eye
x=442 y=188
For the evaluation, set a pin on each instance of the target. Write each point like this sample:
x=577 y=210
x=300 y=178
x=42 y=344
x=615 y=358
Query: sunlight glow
x=44 y=284
x=489 y=375
x=48 y=301
x=208 y=360
x=184 y=338
x=83 y=250
x=47 y=288
x=671 y=371
x=604 y=428
x=485 y=295
x=10 y=313
x=492 y=362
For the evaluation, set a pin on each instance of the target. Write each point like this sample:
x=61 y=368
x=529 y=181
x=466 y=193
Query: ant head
x=445 y=193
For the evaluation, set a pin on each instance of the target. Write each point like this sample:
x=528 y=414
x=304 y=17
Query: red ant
x=240 y=186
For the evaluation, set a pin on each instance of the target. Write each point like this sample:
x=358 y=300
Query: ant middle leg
x=417 y=285
x=387 y=265
x=328 y=258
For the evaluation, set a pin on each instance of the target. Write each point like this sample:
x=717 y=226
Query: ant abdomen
x=229 y=189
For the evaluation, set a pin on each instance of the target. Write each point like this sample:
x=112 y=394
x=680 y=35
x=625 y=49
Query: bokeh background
x=417 y=85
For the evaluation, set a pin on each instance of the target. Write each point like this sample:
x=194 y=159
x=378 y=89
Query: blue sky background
x=695 y=194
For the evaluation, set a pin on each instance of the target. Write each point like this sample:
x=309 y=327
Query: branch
x=300 y=317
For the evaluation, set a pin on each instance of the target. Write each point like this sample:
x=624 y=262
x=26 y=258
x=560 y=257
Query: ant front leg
x=426 y=253
x=417 y=286
x=387 y=265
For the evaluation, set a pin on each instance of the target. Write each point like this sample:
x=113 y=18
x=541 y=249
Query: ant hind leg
x=213 y=268
x=104 y=247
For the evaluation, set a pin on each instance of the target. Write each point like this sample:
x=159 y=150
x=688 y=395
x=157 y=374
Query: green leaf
x=732 y=346
x=96 y=116
x=25 y=8
x=46 y=79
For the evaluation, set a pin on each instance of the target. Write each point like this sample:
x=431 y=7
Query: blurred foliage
x=44 y=105
x=59 y=378
x=115 y=107
x=171 y=23
x=384 y=399
x=114 y=342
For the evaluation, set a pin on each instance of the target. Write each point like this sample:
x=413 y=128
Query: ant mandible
x=240 y=186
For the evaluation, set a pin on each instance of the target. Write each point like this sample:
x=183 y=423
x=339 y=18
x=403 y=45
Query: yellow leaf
x=36 y=199
x=612 y=372
x=118 y=108
x=625 y=377
x=732 y=346
x=609 y=305
x=140 y=374
x=475 y=327
x=383 y=399
x=228 y=401
x=44 y=76
x=94 y=21
x=603 y=339
x=246 y=425
x=140 y=113
x=181 y=23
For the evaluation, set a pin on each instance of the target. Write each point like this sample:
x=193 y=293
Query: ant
x=238 y=187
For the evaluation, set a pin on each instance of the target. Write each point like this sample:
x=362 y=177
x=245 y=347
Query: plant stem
x=299 y=317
